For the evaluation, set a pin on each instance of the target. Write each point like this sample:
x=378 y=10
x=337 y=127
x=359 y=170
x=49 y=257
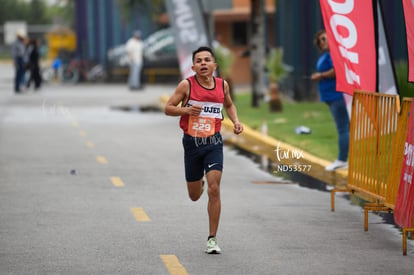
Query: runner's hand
x=194 y=110
x=238 y=128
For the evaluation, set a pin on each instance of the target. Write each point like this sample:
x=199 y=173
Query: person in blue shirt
x=325 y=76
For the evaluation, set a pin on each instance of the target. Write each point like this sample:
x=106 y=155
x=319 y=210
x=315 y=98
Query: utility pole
x=207 y=10
x=257 y=50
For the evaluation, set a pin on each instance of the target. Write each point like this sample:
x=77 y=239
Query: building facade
x=100 y=26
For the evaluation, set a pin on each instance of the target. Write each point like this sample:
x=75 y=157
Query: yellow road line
x=90 y=144
x=82 y=133
x=101 y=160
x=140 y=214
x=173 y=265
x=117 y=182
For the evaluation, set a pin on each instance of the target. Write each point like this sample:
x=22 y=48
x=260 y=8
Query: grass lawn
x=322 y=142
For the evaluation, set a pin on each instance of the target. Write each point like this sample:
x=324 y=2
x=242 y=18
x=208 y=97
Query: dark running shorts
x=202 y=154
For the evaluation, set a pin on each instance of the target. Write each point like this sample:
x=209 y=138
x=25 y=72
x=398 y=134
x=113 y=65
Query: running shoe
x=337 y=164
x=212 y=246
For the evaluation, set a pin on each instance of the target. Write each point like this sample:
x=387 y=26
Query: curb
x=6 y=61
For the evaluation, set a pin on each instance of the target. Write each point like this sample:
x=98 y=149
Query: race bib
x=199 y=126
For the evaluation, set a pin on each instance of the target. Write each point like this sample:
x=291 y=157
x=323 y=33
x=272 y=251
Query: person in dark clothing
x=33 y=65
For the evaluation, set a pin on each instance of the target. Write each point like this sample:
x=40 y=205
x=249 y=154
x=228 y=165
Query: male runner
x=202 y=97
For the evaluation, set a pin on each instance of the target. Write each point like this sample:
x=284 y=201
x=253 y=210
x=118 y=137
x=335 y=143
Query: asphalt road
x=86 y=188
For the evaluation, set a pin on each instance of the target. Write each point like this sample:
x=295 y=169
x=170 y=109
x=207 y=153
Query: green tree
x=12 y=10
x=63 y=12
x=36 y=13
x=33 y=12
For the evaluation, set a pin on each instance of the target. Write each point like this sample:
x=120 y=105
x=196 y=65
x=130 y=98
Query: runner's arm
x=231 y=110
x=180 y=95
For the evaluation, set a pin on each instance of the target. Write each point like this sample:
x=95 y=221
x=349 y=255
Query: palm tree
x=277 y=71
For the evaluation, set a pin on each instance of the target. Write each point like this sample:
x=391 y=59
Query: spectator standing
x=33 y=64
x=335 y=100
x=134 y=49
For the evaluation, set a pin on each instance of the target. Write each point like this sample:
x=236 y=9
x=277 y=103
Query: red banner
x=409 y=26
x=350 y=30
x=404 y=206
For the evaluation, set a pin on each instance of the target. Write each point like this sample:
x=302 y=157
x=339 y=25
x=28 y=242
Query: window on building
x=239 y=33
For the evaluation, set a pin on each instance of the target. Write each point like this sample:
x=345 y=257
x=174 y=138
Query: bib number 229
x=201 y=126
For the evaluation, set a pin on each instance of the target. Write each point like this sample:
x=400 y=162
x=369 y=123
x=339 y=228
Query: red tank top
x=209 y=121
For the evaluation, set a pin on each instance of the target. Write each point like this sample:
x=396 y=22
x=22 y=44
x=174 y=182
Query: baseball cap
x=21 y=33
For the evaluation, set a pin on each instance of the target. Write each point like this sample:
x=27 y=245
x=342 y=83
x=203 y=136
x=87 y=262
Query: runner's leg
x=194 y=169
x=214 y=201
x=195 y=189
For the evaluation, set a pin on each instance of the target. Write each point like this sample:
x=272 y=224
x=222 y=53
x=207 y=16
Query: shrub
x=406 y=89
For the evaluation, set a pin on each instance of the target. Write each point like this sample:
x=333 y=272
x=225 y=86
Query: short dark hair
x=203 y=49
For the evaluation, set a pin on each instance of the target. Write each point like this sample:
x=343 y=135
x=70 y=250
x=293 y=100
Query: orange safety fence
x=397 y=164
x=378 y=132
x=373 y=130
x=398 y=154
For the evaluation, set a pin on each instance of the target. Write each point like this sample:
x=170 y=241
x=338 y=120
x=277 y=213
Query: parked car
x=160 y=59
